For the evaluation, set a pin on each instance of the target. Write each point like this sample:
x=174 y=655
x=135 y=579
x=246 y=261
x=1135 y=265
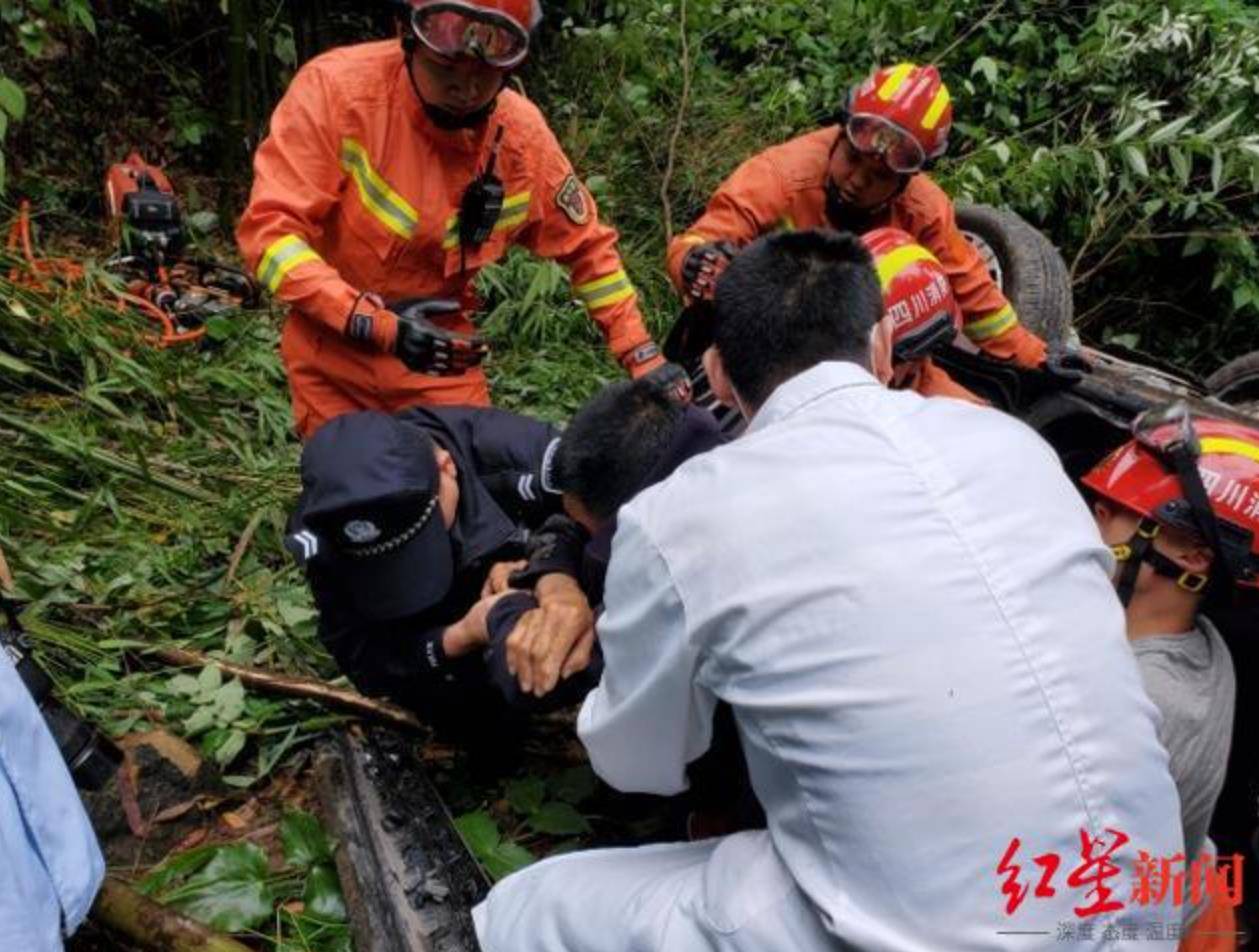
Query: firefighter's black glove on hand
x=672 y=381
x=428 y=349
x=555 y=546
x=703 y=265
x=1066 y=365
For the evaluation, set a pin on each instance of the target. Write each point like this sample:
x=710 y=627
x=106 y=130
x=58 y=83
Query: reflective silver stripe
x=603 y=292
x=610 y=291
x=387 y=206
x=281 y=257
x=548 y=459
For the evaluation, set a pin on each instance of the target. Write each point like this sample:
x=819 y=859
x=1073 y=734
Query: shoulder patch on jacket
x=571 y=199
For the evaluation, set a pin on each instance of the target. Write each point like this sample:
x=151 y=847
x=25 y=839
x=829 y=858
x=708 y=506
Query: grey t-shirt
x=1190 y=679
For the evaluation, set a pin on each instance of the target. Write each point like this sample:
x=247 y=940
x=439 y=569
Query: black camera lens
x=91 y=756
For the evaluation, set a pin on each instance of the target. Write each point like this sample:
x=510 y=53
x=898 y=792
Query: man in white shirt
x=909 y=610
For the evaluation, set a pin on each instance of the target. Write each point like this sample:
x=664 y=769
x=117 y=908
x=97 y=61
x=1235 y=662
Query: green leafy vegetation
x=234 y=888
x=1127 y=131
x=536 y=814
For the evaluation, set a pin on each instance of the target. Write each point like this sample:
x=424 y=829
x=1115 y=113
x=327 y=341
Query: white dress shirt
x=910 y=610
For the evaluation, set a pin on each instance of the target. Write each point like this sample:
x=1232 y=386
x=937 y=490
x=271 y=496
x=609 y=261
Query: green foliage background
x=143 y=493
x=1128 y=130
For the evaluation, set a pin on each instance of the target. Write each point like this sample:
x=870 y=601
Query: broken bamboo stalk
x=154 y=926
x=302 y=687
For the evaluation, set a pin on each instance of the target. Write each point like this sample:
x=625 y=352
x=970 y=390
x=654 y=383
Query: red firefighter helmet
x=1142 y=477
x=902 y=112
x=918 y=299
x=495 y=31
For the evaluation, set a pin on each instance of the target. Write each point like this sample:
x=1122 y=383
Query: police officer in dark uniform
x=400 y=520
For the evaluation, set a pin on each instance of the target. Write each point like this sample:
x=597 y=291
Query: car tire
x=1026 y=267
x=1237 y=382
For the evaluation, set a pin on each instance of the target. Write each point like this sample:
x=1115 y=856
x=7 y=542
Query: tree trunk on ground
x=153 y=925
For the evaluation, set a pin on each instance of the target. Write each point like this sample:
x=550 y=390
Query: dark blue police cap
x=370 y=514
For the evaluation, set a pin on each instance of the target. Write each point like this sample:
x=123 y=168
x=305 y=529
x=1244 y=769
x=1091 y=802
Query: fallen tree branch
x=309 y=688
x=154 y=926
x=242 y=546
x=672 y=156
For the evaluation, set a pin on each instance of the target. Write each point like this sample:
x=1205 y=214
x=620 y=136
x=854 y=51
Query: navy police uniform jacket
x=503 y=460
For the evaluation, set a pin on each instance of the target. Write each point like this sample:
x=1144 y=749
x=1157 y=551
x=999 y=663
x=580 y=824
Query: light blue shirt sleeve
x=50 y=863
x=649 y=717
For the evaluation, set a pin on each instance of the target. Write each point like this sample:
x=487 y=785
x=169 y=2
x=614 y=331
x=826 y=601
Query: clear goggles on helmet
x=1158 y=419
x=874 y=135
x=451 y=30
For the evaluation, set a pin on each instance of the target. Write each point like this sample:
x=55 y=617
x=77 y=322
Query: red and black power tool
x=143 y=211
x=178 y=292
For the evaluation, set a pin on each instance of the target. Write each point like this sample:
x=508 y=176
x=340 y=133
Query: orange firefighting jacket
x=356 y=190
x=784 y=187
x=925 y=377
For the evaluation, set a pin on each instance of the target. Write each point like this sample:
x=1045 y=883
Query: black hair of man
x=790 y=301
x=613 y=445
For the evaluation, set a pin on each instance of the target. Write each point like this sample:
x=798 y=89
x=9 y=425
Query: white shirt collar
x=805 y=387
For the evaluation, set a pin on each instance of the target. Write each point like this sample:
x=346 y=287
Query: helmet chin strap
x=1140 y=548
x=443 y=118
x=848 y=217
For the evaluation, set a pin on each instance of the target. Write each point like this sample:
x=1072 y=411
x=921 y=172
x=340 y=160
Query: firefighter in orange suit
x=394 y=174
x=862 y=174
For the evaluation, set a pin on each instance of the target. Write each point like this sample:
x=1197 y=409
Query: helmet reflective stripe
x=894 y=262
x=911 y=98
x=1229 y=447
x=936 y=109
x=895 y=81
x=1153 y=476
x=919 y=309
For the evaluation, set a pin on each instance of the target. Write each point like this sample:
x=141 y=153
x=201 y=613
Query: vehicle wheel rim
x=990 y=259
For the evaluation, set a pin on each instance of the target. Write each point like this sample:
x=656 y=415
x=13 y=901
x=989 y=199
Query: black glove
x=428 y=349
x=555 y=546
x=672 y=381
x=1066 y=365
x=703 y=265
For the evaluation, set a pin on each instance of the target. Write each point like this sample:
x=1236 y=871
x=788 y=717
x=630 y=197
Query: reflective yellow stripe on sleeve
x=281 y=257
x=515 y=212
x=606 y=291
x=994 y=325
x=386 y=206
